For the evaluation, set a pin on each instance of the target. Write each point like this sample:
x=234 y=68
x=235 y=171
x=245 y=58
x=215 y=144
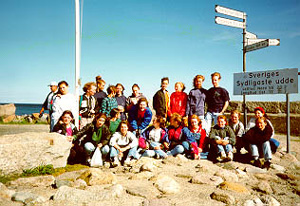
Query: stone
x=251 y=169
x=241 y=174
x=223 y=197
x=167 y=185
x=270 y=201
x=289 y=158
x=148 y=166
x=75 y=195
x=227 y=175
x=142 y=175
x=27 y=198
x=95 y=176
x=233 y=186
x=38 y=181
x=106 y=193
x=286 y=176
x=9 y=118
x=264 y=186
x=267 y=177
x=80 y=184
x=5 y=192
x=7 y=110
x=59 y=183
x=8 y=202
x=140 y=191
x=32 y=149
x=216 y=180
x=156 y=202
x=35 y=116
x=181 y=158
x=278 y=167
x=204 y=178
x=255 y=202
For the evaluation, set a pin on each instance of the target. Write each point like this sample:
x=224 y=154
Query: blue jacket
x=196 y=101
x=133 y=118
x=187 y=135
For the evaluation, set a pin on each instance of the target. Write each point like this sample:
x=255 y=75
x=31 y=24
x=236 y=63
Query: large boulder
x=7 y=110
x=29 y=150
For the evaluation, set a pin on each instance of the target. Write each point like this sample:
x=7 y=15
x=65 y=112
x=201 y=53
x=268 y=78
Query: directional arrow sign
x=230 y=12
x=272 y=42
x=229 y=22
x=250 y=35
x=258 y=45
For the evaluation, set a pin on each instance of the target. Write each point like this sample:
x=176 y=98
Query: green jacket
x=218 y=132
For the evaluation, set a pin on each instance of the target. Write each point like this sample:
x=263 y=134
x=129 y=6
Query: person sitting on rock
x=258 y=137
x=140 y=116
x=123 y=145
x=238 y=129
x=154 y=138
x=223 y=139
x=97 y=135
x=66 y=127
x=196 y=137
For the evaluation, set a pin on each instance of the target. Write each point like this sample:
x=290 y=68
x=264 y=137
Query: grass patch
x=42 y=170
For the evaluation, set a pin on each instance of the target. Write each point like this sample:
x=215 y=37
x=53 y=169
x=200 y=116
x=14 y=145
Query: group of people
x=124 y=129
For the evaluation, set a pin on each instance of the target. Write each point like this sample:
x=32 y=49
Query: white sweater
x=121 y=140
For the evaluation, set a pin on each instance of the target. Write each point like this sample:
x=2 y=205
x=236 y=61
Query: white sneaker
x=116 y=162
x=223 y=155
x=127 y=161
x=230 y=156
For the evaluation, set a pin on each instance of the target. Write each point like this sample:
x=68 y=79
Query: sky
x=139 y=41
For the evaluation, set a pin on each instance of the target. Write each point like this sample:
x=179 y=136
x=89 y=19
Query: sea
x=26 y=108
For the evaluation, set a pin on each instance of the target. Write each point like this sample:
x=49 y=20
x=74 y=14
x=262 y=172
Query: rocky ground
x=174 y=181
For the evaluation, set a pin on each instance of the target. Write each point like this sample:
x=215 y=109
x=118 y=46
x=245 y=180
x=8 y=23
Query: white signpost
x=258 y=45
x=230 y=12
x=283 y=81
x=229 y=22
x=272 y=42
x=250 y=35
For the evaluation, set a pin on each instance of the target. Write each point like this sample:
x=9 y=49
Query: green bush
x=40 y=170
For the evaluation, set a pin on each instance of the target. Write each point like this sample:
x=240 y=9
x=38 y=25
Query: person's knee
x=179 y=149
x=105 y=149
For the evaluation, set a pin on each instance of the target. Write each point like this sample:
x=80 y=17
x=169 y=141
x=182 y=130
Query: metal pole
x=244 y=69
x=288 y=126
x=77 y=59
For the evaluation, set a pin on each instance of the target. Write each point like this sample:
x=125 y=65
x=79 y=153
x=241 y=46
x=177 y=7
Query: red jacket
x=178 y=101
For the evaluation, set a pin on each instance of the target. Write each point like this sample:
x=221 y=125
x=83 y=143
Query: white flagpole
x=77 y=60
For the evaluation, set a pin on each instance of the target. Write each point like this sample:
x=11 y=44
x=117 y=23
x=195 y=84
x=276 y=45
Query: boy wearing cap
x=47 y=102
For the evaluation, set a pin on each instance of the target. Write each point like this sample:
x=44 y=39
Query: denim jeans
x=208 y=118
x=151 y=153
x=89 y=148
x=131 y=153
x=265 y=149
x=227 y=148
x=176 y=150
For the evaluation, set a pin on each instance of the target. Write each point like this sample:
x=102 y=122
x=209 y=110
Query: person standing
x=178 y=100
x=87 y=104
x=135 y=97
x=121 y=99
x=109 y=102
x=161 y=99
x=100 y=94
x=47 y=103
x=217 y=99
x=62 y=101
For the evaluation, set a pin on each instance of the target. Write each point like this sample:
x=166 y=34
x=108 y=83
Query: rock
x=29 y=119
x=266 y=177
x=204 y=178
x=27 y=198
x=241 y=174
x=232 y=186
x=223 y=197
x=59 y=183
x=278 y=167
x=216 y=180
x=29 y=150
x=106 y=193
x=167 y=185
x=264 y=186
x=75 y=195
x=227 y=175
x=7 y=110
x=8 y=202
x=35 y=116
x=5 y=192
x=38 y=181
x=270 y=201
x=142 y=175
x=95 y=176
x=140 y=191
x=9 y=118
x=285 y=176
x=156 y=202
x=289 y=158
x=80 y=184
x=251 y=169
x=255 y=202
x=148 y=166
x=181 y=158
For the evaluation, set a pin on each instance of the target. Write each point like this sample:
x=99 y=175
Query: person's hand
x=200 y=150
x=219 y=141
x=225 y=142
x=99 y=145
x=157 y=148
x=166 y=145
x=70 y=138
x=123 y=149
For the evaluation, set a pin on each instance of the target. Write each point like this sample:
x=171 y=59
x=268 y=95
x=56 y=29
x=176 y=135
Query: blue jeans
x=89 y=148
x=227 y=148
x=265 y=149
x=176 y=150
x=132 y=152
x=151 y=153
x=208 y=118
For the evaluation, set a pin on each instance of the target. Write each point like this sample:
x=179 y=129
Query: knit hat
x=260 y=109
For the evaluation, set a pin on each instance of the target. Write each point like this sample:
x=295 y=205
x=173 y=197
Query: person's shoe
x=127 y=162
x=116 y=162
x=88 y=161
x=230 y=156
x=223 y=155
x=267 y=164
x=257 y=163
